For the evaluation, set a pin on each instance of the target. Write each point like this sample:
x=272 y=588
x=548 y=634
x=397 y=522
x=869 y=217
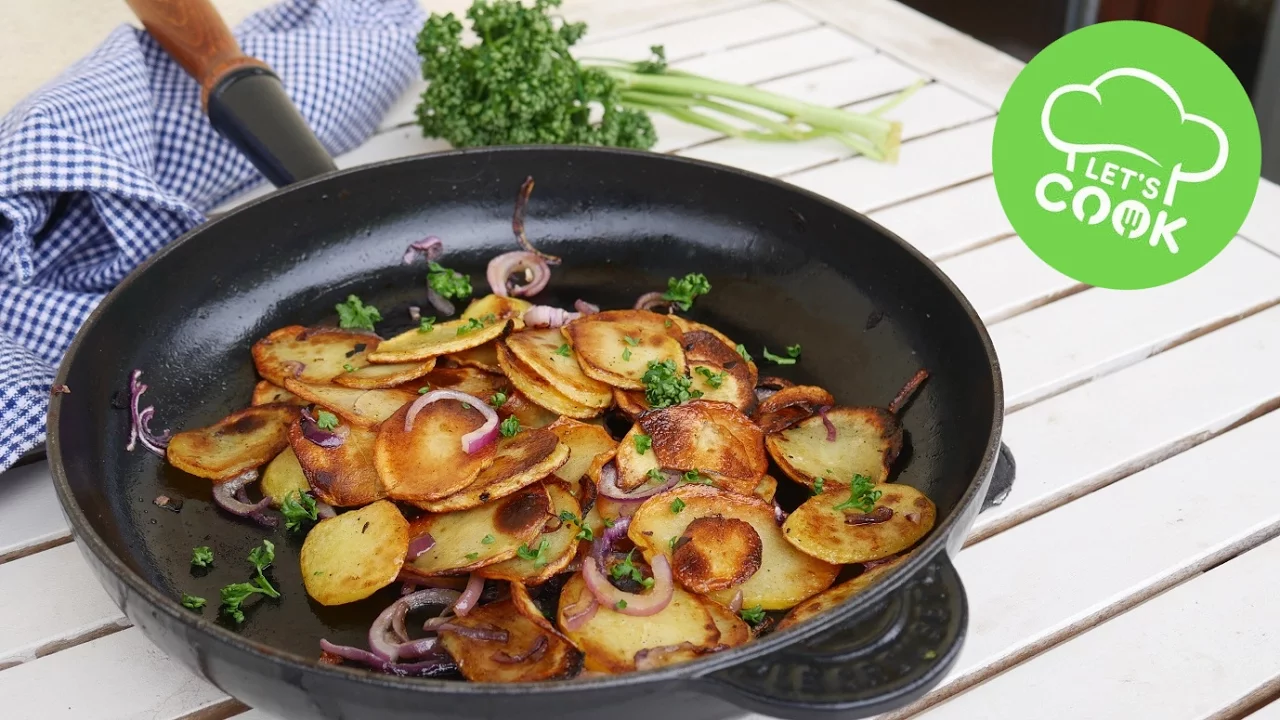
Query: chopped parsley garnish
x=608 y=522
x=862 y=495
x=643 y=443
x=667 y=323
x=792 y=350
x=563 y=350
x=234 y=595
x=498 y=399
x=487 y=540
x=754 y=615
x=621 y=605
x=584 y=533
x=677 y=505
x=473 y=556
x=663 y=387
x=261 y=557
x=509 y=427
x=449 y=283
x=424 y=389
x=355 y=314
x=630 y=340
x=742 y=350
x=647 y=583
x=694 y=477
x=626 y=569
x=818 y=483
x=672 y=543
x=472 y=325
x=626 y=354
x=202 y=556
x=427 y=324
x=654 y=474
x=191 y=602
x=715 y=380
x=298 y=508
x=539 y=556
x=326 y=420
x=683 y=291
x=569 y=517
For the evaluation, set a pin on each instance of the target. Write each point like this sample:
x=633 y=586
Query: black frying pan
x=786 y=266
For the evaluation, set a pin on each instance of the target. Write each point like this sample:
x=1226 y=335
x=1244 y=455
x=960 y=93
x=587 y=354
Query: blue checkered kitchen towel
x=114 y=159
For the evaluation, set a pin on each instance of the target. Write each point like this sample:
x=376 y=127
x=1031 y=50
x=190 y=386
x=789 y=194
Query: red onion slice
x=473 y=441
x=548 y=316
x=470 y=596
x=419 y=545
x=831 y=427
x=905 y=394
x=517 y=222
x=438 y=301
x=230 y=497
x=585 y=308
x=608 y=485
x=140 y=420
x=650 y=658
x=313 y=432
x=779 y=514
x=636 y=605
x=652 y=301
x=577 y=616
x=439 y=664
x=735 y=605
x=503 y=267
x=384 y=635
x=431 y=247
x=324 y=510
x=603 y=545
x=489 y=634
x=533 y=654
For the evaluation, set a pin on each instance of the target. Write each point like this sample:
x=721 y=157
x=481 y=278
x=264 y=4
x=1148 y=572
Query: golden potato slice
x=540 y=391
x=283 y=477
x=788 y=406
x=634 y=466
x=902 y=515
x=265 y=393
x=483 y=357
x=444 y=338
x=867 y=441
x=734 y=631
x=585 y=442
x=688 y=326
x=427 y=461
x=529 y=413
x=351 y=556
x=237 y=443
x=502 y=308
x=343 y=476
x=561 y=545
x=828 y=599
x=529 y=654
x=718 y=371
x=461 y=546
x=714 y=553
x=710 y=437
x=525 y=605
x=542 y=354
x=465 y=380
x=631 y=402
x=520 y=460
x=311 y=355
x=786 y=575
x=616 y=346
x=766 y=488
x=374 y=377
x=611 y=639
x=366 y=408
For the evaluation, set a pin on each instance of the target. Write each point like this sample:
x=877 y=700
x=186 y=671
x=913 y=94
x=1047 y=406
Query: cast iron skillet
x=786 y=267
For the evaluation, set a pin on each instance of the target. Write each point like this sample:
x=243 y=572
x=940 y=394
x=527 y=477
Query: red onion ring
x=608 y=485
x=779 y=514
x=503 y=267
x=879 y=515
x=230 y=497
x=415 y=313
x=735 y=605
x=140 y=420
x=438 y=301
x=324 y=510
x=831 y=427
x=489 y=634
x=650 y=658
x=533 y=654
x=517 y=222
x=635 y=605
x=314 y=433
x=419 y=545
x=383 y=641
x=439 y=664
x=430 y=246
x=470 y=596
x=603 y=545
x=585 y=308
x=397 y=621
x=908 y=390
x=548 y=316
x=578 y=616
x=473 y=441
x=408 y=577
x=652 y=301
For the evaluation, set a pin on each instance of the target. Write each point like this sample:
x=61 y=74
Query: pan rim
x=135 y=583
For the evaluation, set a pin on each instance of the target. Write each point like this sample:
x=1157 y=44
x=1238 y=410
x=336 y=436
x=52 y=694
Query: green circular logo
x=1126 y=155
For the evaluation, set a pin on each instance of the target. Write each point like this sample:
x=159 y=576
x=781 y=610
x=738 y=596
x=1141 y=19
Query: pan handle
x=245 y=100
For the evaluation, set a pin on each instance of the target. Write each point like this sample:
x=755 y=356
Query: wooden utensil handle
x=194 y=34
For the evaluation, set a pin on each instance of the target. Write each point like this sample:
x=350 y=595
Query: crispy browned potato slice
x=483 y=357
x=265 y=393
x=427 y=462
x=366 y=408
x=460 y=547
x=311 y=355
x=283 y=477
x=718 y=371
x=710 y=437
x=541 y=353
x=633 y=465
x=688 y=326
x=766 y=488
x=714 y=553
x=585 y=443
x=611 y=639
x=444 y=338
x=560 y=549
x=867 y=441
x=520 y=460
x=790 y=405
x=616 y=346
x=343 y=476
x=824 y=601
x=501 y=308
x=466 y=380
x=237 y=443
x=542 y=655
x=631 y=402
x=374 y=377
x=525 y=605
x=351 y=556
x=540 y=391
x=851 y=536
x=733 y=630
x=786 y=575
x=529 y=413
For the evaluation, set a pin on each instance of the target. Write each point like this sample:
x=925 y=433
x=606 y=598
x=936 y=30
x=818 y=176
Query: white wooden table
x=1133 y=571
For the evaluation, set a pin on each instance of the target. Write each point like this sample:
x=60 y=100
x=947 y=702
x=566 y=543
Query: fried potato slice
x=611 y=639
x=734 y=631
x=868 y=439
x=460 y=537
x=688 y=326
x=585 y=442
x=427 y=461
x=265 y=393
x=351 y=556
x=540 y=391
x=634 y=466
x=631 y=402
x=851 y=536
x=520 y=460
x=311 y=355
x=786 y=575
x=616 y=346
x=237 y=443
x=343 y=476
x=714 y=553
x=374 y=377
x=828 y=599
x=713 y=438
x=501 y=308
x=541 y=352
x=788 y=406
x=530 y=653
x=561 y=544
x=465 y=380
x=718 y=371
x=366 y=408
x=524 y=604
x=766 y=488
x=283 y=477
x=529 y=413
x=445 y=338
x=483 y=357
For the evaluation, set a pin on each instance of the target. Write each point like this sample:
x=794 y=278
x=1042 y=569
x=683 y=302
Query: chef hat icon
x=1097 y=91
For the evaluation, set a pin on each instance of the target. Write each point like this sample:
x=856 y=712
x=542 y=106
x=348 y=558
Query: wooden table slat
x=31 y=516
x=778 y=57
x=950 y=221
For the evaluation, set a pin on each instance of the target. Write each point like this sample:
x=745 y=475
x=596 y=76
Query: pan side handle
x=244 y=98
